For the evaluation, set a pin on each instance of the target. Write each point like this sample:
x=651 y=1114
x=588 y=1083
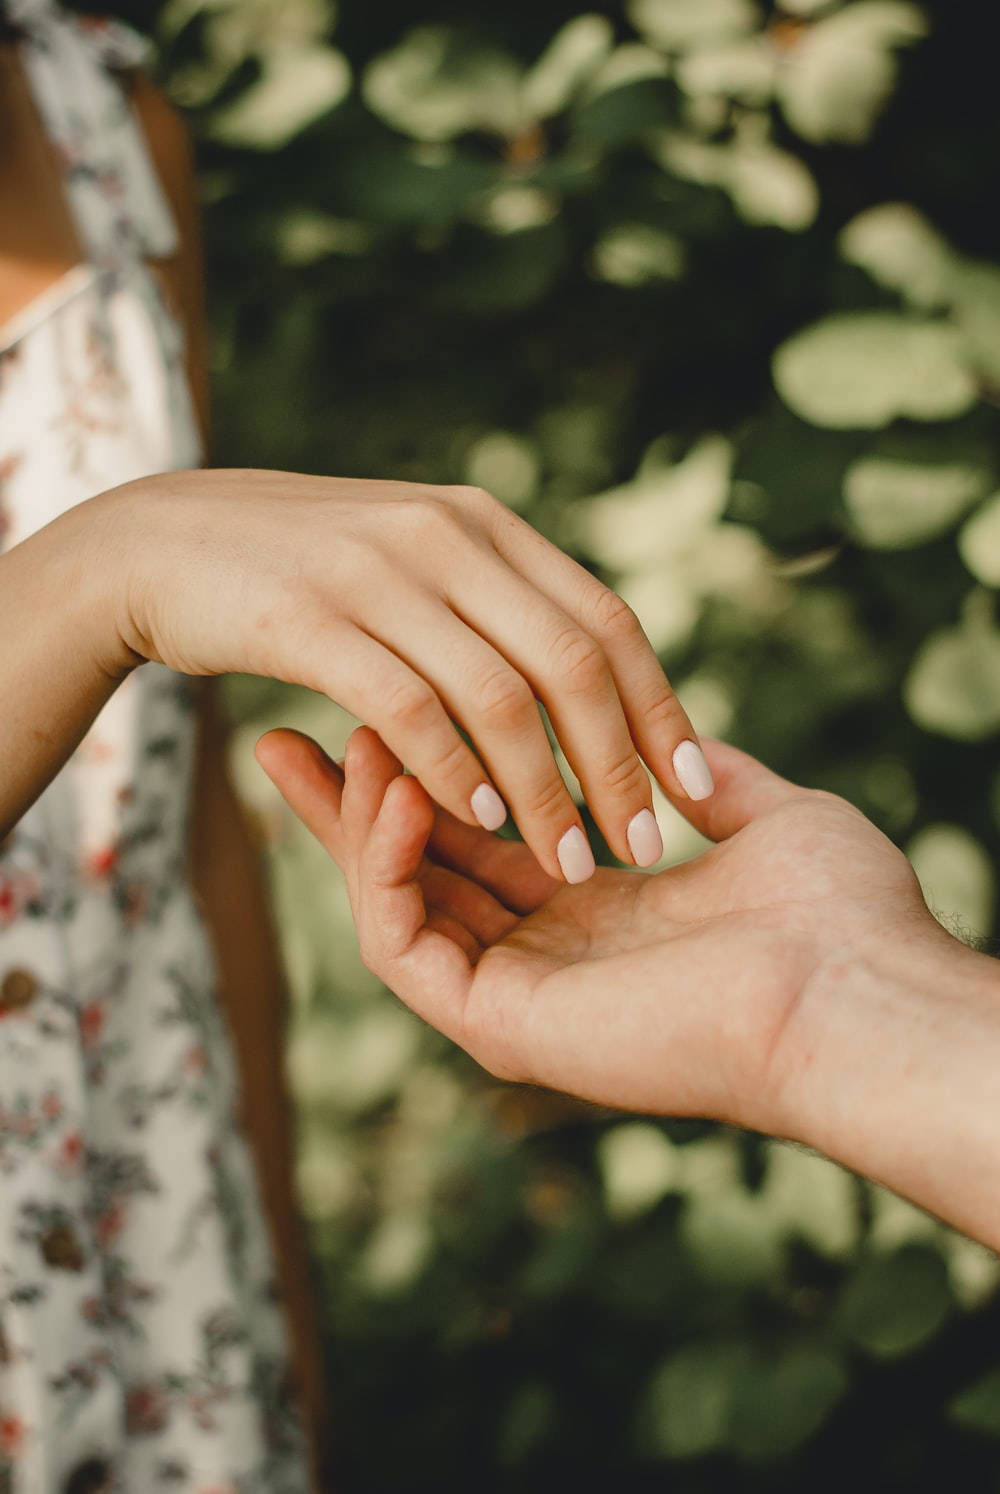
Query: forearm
x=61 y=655
x=902 y=1082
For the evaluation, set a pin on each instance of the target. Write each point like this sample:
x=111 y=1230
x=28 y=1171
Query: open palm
x=681 y=992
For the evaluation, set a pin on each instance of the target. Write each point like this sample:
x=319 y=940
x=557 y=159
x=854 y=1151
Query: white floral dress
x=141 y=1345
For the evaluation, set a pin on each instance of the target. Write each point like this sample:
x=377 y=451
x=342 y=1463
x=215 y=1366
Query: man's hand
x=679 y=993
x=790 y=978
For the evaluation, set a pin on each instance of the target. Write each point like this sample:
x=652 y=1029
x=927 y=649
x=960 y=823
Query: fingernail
x=488 y=807
x=693 y=772
x=644 y=838
x=575 y=856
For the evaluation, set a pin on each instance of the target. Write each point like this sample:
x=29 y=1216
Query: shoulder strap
x=114 y=193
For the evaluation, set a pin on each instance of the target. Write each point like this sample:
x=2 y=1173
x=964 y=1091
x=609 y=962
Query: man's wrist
x=900 y=1078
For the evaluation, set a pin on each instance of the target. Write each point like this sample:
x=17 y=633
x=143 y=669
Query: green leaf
x=798 y=470
x=766 y=184
x=678 y=24
x=435 y=84
x=637 y=254
x=626 y=113
x=811 y=1197
x=569 y=61
x=843 y=69
x=688 y=1404
x=977 y=313
x=956 y=875
x=892 y=503
x=954 y=682
x=779 y=1403
x=713 y=1396
x=864 y=369
x=894 y=1303
x=526 y=1422
x=977 y=1407
x=296 y=86
x=732 y=1236
x=899 y=249
x=391 y=186
x=979 y=542
x=638 y=1166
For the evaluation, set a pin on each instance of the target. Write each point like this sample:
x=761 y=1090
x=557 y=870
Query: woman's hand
x=790 y=979
x=420 y=610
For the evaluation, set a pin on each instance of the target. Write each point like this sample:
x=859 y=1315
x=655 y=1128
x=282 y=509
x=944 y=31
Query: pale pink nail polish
x=644 y=838
x=693 y=772
x=488 y=807
x=575 y=855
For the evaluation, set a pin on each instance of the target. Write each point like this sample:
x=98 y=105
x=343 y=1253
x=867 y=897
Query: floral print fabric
x=141 y=1345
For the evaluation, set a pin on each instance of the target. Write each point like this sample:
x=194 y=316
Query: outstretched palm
x=673 y=992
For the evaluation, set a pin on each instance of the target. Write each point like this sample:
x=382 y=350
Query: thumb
x=744 y=790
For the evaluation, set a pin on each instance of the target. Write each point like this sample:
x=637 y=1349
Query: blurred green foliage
x=708 y=291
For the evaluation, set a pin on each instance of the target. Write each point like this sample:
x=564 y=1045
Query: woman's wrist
x=63 y=655
x=900 y=1079
x=98 y=540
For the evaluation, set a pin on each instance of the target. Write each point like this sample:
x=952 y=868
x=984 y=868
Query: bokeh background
x=707 y=290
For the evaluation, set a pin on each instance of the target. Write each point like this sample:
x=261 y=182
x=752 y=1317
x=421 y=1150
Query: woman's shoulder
x=114 y=44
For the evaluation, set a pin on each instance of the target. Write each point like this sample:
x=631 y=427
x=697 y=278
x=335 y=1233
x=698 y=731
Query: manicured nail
x=575 y=856
x=644 y=838
x=693 y=772
x=488 y=807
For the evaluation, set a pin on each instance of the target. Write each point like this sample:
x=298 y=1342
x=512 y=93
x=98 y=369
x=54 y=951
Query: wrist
x=114 y=533
x=900 y=1077
x=65 y=656
x=88 y=554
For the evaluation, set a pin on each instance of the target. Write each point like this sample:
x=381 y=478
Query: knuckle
x=467 y=495
x=506 y=700
x=612 y=616
x=452 y=762
x=429 y=511
x=547 y=800
x=474 y=507
x=579 y=662
x=412 y=705
x=626 y=777
x=663 y=709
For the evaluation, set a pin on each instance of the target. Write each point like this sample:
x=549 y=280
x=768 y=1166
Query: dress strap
x=114 y=193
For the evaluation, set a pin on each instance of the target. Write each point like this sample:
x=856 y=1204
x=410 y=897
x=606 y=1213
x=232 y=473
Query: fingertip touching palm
x=680 y=992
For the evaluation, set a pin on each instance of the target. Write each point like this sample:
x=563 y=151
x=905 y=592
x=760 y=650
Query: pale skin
x=790 y=979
